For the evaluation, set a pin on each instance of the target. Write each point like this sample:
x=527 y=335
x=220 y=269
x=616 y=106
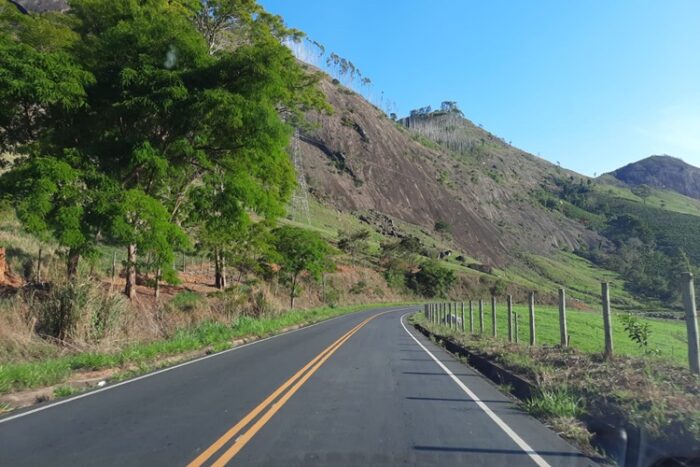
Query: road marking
x=219 y=443
x=501 y=424
x=164 y=370
x=297 y=380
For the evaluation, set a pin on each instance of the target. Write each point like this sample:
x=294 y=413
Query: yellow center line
x=318 y=361
x=248 y=435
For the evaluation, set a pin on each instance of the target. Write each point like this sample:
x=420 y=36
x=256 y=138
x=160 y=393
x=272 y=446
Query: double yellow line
x=295 y=382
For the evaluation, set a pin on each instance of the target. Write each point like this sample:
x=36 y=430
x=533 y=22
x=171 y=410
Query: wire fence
x=585 y=330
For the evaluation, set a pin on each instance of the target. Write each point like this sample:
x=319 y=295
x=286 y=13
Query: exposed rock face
x=483 y=195
x=40 y=6
x=666 y=172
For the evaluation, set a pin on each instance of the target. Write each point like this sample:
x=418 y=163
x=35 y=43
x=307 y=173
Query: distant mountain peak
x=664 y=172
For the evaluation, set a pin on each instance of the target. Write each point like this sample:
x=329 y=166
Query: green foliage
x=64 y=391
x=442 y=226
x=626 y=226
x=136 y=119
x=498 y=288
x=186 y=301
x=354 y=243
x=557 y=403
x=39 y=79
x=432 y=279
x=406 y=247
x=643 y=191
x=299 y=250
x=638 y=331
x=17 y=376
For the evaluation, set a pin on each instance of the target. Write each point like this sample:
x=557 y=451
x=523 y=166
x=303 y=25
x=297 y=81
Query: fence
x=461 y=317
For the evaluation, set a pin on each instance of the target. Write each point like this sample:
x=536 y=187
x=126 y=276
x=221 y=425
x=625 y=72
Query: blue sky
x=591 y=84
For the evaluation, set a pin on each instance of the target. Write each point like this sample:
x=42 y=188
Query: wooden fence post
x=607 y=320
x=691 y=322
x=531 y=307
x=510 y=318
x=471 y=317
x=481 y=317
x=494 y=333
x=563 y=333
x=464 y=326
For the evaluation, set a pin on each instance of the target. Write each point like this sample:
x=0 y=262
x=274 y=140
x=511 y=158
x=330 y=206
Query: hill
x=358 y=160
x=664 y=172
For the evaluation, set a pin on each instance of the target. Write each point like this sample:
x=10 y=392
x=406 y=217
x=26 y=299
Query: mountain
x=663 y=172
x=435 y=168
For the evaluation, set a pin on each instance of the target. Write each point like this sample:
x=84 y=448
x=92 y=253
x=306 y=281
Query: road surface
x=359 y=390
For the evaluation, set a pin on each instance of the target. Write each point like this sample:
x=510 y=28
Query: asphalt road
x=371 y=391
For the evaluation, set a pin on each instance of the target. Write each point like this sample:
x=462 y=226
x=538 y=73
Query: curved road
x=361 y=389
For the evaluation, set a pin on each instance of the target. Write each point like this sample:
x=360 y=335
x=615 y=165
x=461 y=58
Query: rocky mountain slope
x=358 y=160
x=664 y=172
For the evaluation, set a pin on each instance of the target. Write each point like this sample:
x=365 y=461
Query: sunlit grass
x=218 y=336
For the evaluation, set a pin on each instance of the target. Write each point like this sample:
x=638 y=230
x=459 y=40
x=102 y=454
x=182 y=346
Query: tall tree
x=165 y=113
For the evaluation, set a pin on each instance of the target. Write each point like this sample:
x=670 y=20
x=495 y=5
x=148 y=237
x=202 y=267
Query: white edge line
x=180 y=365
x=501 y=424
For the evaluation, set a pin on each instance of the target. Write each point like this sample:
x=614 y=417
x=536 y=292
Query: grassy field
x=667 y=337
x=140 y=358
x=668 y=200
x=579 y=276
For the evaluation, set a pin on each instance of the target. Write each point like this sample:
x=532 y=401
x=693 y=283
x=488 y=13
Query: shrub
x=432 y=279
x=359 y=287
x=442 y=226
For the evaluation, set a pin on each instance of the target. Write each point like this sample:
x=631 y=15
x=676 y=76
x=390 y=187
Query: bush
x=432 y=279
x=358 y=287
x=186 y=301
x=59 y=311
x=442 y=226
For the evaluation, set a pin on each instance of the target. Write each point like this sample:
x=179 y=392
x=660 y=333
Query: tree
x=300 y=251
x=432 y=279
x=39 y=83
x=354 y=243
x=167 y=110
x=643 y=191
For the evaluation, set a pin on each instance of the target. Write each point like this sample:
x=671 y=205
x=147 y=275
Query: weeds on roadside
x=64 y=391
x=555 y=403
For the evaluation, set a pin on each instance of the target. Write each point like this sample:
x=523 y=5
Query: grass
x=555 y=403
x=659 y=398
x=142 y=356
x=585 y=330
x=64 y=391
x=549 y=273
x=668 y=200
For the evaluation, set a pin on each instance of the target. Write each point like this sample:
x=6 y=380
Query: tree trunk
x=156 y=287
x=38 y=267
x=130 y=289
x=218 y=279
x=222 y=271
x=72 y=266
x=293 y=293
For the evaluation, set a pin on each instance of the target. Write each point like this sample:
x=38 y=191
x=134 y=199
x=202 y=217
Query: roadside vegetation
x=575 y=386
x=133 y=359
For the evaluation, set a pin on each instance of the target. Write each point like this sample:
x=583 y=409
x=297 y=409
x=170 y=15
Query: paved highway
x=359 y=390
